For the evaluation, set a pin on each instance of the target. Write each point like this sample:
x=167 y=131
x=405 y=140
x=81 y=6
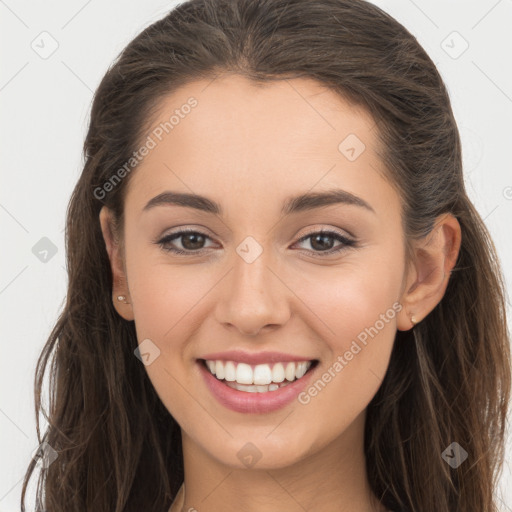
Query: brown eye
x=192 y=242
x=322 y=242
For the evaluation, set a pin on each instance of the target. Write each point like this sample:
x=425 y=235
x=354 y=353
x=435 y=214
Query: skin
x=249 y=149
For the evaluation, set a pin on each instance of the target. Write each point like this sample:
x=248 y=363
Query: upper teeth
x=260 y=374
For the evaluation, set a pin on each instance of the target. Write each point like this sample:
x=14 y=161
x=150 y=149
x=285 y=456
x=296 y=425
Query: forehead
x=278 y=138
x=232 y=108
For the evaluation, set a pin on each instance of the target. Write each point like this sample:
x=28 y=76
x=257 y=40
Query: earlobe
x=434 y=258
x=120 y=292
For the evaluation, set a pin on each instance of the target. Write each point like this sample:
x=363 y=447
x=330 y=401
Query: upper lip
x=254 y=358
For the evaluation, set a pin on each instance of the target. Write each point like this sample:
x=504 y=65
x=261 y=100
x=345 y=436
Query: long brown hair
x=448 y=379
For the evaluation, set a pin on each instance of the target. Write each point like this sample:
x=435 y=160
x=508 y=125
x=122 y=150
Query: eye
x=322 y=242
x=192 y=241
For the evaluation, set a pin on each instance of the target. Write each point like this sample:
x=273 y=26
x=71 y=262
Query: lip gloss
x=259 y=403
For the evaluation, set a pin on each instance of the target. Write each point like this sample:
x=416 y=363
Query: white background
x=45 y=107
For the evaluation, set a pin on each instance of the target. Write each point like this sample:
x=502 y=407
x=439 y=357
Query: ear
x=120 y=283
x=426 y=282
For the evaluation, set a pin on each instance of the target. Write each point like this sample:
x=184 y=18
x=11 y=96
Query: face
x=265 y=282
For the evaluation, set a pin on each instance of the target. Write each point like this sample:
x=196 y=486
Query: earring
x=413 y=320
x=122 y=298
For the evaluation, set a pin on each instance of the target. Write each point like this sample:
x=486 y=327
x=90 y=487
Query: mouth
x=258 y=389
x=259 y=378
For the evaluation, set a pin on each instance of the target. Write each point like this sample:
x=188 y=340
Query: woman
x=280 y=296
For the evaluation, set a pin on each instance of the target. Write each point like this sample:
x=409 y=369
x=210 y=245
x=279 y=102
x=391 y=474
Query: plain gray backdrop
x=54 y=55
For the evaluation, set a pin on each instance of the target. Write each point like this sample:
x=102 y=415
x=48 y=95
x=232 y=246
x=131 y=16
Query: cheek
x=357 y=306
x=164 y=296
x=355 y=300
x=164 y=301
x=362 y=328
x=167 y=308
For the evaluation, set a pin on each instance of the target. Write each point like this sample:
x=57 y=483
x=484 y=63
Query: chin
x=260 y=452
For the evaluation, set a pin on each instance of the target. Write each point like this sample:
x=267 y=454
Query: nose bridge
x=254 y=297
x=251 y=272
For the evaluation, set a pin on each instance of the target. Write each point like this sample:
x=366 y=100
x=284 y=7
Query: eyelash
x=346 y=242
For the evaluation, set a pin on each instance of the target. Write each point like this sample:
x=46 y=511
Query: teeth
x=301 y=370
x=290 y=371
x=219 y=370
x=265 y=377
x=256 y=389
x=262 y=374
x=278 y=373
x=243 y=373
x=229 y=371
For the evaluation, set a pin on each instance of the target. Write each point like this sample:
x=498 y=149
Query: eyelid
x=327 y=230
x=185 y=229
x=314 y=230
x=347 y=242
x=178 y=233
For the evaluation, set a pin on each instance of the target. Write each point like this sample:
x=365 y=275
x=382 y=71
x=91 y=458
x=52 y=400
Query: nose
x=253 y=297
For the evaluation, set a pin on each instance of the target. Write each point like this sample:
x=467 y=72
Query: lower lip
x=243 y=401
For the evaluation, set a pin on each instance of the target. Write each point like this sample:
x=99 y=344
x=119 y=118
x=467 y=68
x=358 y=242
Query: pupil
x=197 y=245
x=322 y=244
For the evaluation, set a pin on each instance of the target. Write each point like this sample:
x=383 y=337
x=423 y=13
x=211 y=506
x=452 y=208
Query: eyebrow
x=300 y=203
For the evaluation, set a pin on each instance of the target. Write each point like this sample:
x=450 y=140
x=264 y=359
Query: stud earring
x=413 y=320
x=122 y=298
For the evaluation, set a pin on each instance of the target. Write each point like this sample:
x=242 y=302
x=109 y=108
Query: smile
x=260 y=378
x=255 y=388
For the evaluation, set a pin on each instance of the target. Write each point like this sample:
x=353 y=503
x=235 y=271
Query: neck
x=331 y=478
